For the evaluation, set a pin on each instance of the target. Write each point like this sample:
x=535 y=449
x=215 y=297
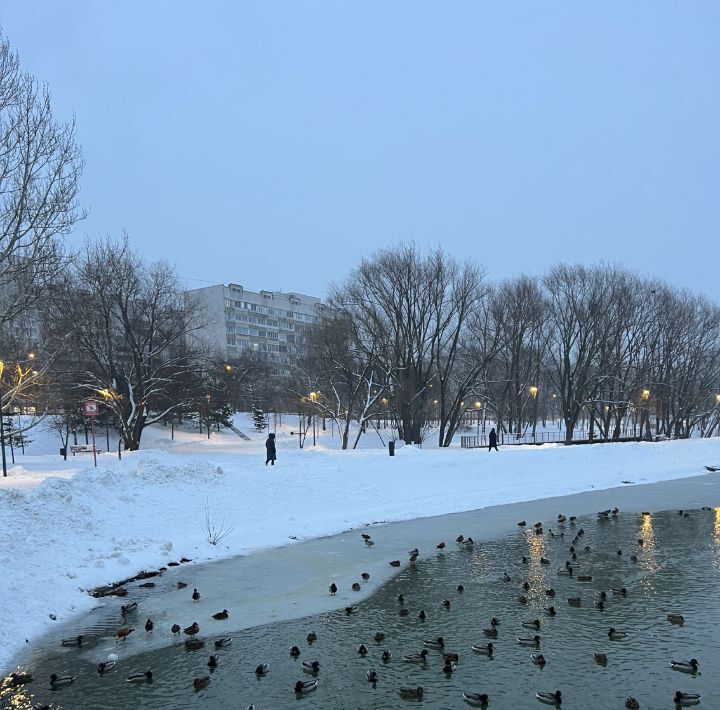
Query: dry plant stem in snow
x=214 y=534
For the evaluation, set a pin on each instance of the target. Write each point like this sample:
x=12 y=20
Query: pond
x=676 y=570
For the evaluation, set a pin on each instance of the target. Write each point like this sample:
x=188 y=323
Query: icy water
x=677 y=571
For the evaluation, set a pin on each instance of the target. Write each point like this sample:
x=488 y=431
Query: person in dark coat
x=270 y=446
x=493 y=440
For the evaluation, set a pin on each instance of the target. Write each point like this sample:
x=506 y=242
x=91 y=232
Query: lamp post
x=313 y=399
x=533 y=393
x=646 y=412
x=478 y=407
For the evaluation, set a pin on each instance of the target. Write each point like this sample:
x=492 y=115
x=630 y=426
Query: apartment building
x=269 y=322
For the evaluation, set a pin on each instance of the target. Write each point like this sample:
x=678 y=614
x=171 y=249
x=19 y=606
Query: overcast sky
x=274 y=144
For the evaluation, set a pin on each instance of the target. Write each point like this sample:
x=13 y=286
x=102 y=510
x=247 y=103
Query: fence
x=580 y=436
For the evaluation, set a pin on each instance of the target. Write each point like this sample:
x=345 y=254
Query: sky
x=275 y=144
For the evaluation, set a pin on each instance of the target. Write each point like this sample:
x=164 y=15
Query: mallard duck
x=632 y=703
x=365 y=576
x=494 y=621
x=15 y=679
x=181 y=585
x=599 y=604
x=105 y=666
x=193 y=629
x=312 y=636
x=685 y=699
x=395 y=563
x=123 y=632
x=149 y=626
x=213 y=661
x=584 y=578
x=523 y=599
x=57 y=681
x=544 y=561
x=506 y=577
x=460 y=538
x=446 y=603
x=356 y=586
x=525 y=560
x=364 y=536
x=550 y=610
x=676 y=618
x=534 y=624
x=416 y=657
x=77 y=641
x=600 y=658
x=565 y=572
x=176 y=628
x=532 y=641
x=522 y=524
x=202 y=682
x=491 y=633
x=362 y=649
x=351 y=609
x=538 y=531
x=484 y=650
x=537 y=525
x=261 y=669
x=604 y=514
x=690 y=666
x=414 y=551
x=333 y=588
x=526 y=585
x=145 y=677
x=371 y=677
x=460 y=588
x=422 y=615
x=401 y=598
x=449 y=667
x=561 y=518
x=538 y=659
x=436 y=644
x=614 y=634
x=221 y=615
x=386 y=656
x=127 y=608
x=195 y=595
x=452 y=657
x=550 y=698
x=574 y=601
x=306 y=686
x=311 y=666
x=440 y=546
x=193 y=644
x=476 y=700
x=223 y=642
x=621 y=591
x=294 y=651
x=404 y=611
x=601 y=595
x=412 y=693
x=369 y=543
x=550 y=592
x=615 y=511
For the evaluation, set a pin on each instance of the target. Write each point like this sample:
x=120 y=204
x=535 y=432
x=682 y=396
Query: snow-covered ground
x=68 y=527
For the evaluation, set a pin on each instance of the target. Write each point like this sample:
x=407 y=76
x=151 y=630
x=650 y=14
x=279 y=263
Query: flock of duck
x=450 y=659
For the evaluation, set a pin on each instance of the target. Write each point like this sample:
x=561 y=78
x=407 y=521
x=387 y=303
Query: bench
x=83 y=449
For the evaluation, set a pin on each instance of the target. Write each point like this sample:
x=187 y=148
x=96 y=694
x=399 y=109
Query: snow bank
x=91 y=527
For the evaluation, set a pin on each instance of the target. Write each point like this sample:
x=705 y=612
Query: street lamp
x=533 y=393
x=646 y=412
x=313 y=398
x=478 y=407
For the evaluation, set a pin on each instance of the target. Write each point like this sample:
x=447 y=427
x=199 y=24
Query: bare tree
x=130 y=320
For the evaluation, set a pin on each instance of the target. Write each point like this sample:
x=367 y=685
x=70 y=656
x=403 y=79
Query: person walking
x=270 y=446
x=493 y=440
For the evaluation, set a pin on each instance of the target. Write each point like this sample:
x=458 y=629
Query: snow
x=68 y=527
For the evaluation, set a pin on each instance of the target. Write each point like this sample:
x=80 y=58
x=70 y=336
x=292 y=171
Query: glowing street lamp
x=717 y=399
x=478 y=407
x=533 y=393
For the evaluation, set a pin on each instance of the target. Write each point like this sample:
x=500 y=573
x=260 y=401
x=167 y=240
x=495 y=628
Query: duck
x=364 y=536
x=600 y=658
x=525 y=560
x=176 y=628
x=460 y=538
x=223 y=642
x=620 y=591
x=193 y=644
x=574 y=601
x=550 y=592
x=422 y=615
x=261 y=669
x=538 y=659
x=522 y=524
x=440 y=546
x=523 y=599
x=452 y=657
x=633 y=558
x=484 y=650
x=145 y=677
x=584 y=578
x=181 y=585
x=193 y=629
x=491 y=633
x=369 y=543
x=105 y=666
x=414 y=551
x=438 y=643
x=416 y=657
x=565 y=572
x=534 y=624
x=221 y=615
x=372 y=677
x=123 y=632
x=294 y=651
x=544 y=561
x=202 y=682
x=149 y=626
x=195 y=595
x=404 y=611
x=386 y=656
x=412 y=693
x=494 y=621
x=449 y=667
x=604 y=514
x=601 y=595
x=395 y=563
x=460 y=588
x=77 y=641
x=550 y=610
x=469 y=542
x=533 y=641
x=365 y=576
x=446 y=603
x=477 y=700
x=632 y=703
x=506 y=577
x=676 y=618
x=333 y=588
x=561 y=518
x=356 y=586
x=351 y=609
x=685 y=699
x=306 y=686
x=619 y=554
x=614 y=634
x=401 y=598
x=362 y=649
x=537 y=525
x=550 y=698
x=57 y=681
x=311 y=666
x=213 y=661
x=127 y=608
x=526 y=585
x=15 y=679
x=599 y=604
x=690 y=666
x=312 y=636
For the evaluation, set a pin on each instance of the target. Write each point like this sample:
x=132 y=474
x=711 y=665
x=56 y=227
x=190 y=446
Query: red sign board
x=91 y=408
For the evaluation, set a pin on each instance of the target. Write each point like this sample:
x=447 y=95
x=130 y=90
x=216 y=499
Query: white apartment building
x=269 y=322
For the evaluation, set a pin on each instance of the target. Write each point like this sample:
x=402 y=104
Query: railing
x=580 y=436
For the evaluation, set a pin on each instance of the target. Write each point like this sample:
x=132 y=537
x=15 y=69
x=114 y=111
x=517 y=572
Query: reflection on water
x=674 y=570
